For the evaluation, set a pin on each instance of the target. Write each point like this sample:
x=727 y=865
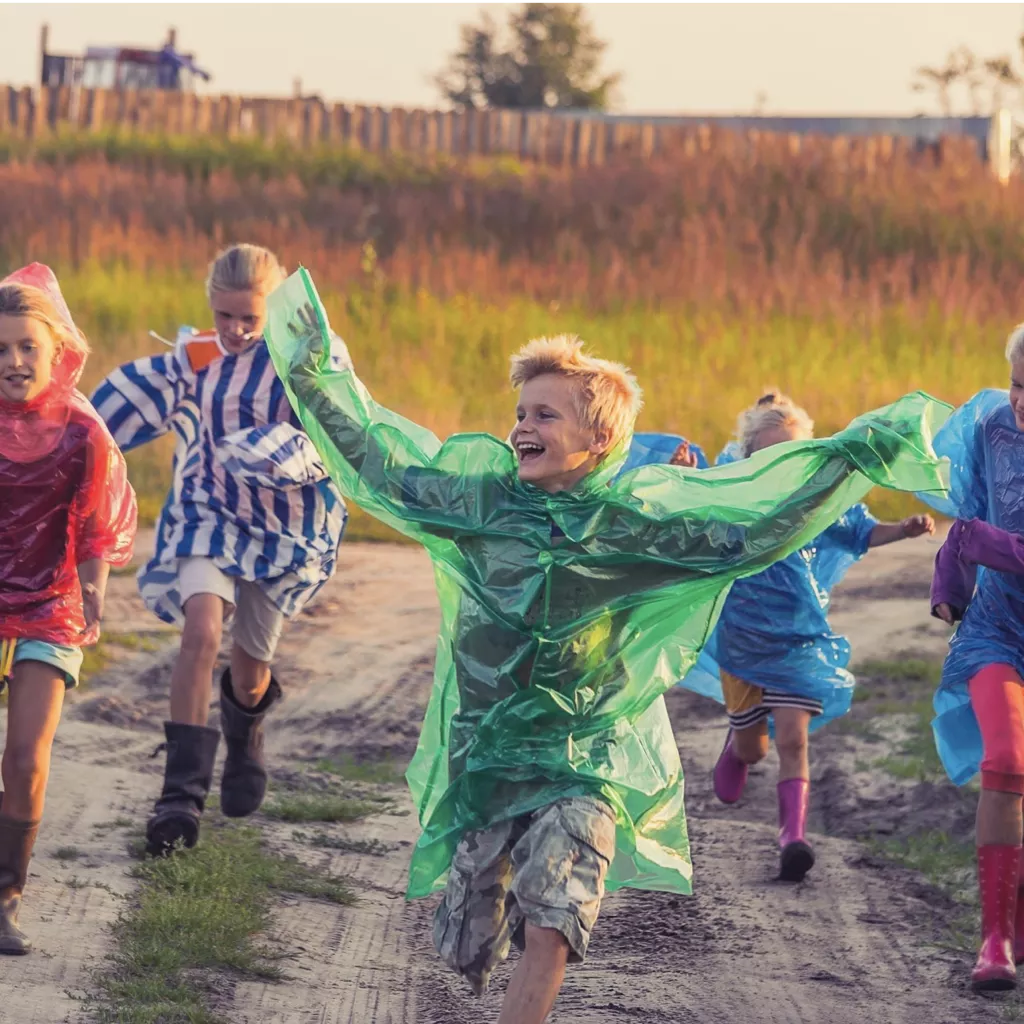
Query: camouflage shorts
x=547 y=868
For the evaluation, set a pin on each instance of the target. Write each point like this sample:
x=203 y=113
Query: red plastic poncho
x=65 y=495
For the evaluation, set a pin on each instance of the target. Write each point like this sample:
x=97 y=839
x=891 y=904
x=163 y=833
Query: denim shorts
x=67 y=660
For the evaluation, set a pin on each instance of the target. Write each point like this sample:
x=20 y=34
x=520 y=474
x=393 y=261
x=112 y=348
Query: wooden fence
x=557 y=138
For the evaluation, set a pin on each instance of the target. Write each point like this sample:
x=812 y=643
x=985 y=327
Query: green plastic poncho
x=554 y=651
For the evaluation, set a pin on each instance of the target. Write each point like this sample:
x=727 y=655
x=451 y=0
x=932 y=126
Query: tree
x=994 y=75
x=552 y=60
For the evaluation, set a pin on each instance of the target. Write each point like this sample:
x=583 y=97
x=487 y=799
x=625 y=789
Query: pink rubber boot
x=730 y=774
x=1018 y=927
x=998 y=877
x=796 y=857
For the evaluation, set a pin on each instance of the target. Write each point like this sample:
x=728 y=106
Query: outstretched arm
x=394 y=469
x=912 y=526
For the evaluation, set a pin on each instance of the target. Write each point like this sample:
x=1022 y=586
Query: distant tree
x=985 y=82
x=551 y=59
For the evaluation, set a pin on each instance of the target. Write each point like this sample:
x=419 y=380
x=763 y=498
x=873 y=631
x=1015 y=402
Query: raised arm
x=140 y=401
x=396 y=470
x=741 y=517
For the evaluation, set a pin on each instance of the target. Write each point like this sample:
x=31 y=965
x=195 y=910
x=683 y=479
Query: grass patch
x=67 y=853
x=326 y=807
x=196 y=913
x=377 y=773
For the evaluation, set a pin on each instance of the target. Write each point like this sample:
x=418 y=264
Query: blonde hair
x=606 y=395
x=1015 y=344
x=244 y=268
x=772 y=410
x=26 y=300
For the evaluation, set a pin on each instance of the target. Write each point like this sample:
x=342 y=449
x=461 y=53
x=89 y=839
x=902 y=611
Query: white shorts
x=256 y=621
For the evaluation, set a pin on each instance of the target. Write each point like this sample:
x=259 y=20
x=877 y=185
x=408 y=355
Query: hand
x=917 y=526
x=944 y=612
x=92 y=606
x=305 y=325
x=684 y=457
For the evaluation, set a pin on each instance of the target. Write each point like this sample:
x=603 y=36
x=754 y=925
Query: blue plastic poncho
x=774 y=630
x=658 y=449
x=986 y=453
x=565 y=617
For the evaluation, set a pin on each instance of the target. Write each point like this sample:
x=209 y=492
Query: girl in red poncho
x=67 y=514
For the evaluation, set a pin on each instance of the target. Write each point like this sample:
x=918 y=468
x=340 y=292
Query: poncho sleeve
x=141 y=400
x=390 y=466
x=104 y=518
x=745 y=515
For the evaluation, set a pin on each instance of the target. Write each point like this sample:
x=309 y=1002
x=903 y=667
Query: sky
x=674 y=58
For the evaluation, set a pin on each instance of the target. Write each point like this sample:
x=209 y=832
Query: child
x=251 y=528
x=979 y=705
x=67 y=514
x=777 y=656
x=571 y=601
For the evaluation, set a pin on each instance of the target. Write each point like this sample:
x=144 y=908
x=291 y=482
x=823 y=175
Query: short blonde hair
x=1015 y=344
x=244 y=268
x=606 y=395
x=18 y=299
x=772 y=410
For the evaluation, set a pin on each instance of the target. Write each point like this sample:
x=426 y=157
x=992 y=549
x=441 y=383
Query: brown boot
x=16 y=841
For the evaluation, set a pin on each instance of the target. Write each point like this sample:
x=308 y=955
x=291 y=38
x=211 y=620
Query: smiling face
x=27 y=351
x=239 y=318
x=554 y=449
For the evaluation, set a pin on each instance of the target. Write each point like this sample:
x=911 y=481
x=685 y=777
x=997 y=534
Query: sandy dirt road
x=849 y=946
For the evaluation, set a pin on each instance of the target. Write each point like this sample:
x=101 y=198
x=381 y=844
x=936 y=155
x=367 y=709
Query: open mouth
x=18 y=380
x=529 y=451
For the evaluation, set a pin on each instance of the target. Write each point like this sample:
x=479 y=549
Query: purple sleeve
x=954 y=579
x=969 y=544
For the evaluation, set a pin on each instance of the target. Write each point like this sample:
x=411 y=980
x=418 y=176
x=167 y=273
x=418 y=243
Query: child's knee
x=200 y=638
x=790 y=738
x=546 y=942
x=751 y=745
x=25 y=765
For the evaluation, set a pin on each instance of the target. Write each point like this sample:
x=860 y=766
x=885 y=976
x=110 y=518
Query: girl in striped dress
x=774 y=650
x=250 y=531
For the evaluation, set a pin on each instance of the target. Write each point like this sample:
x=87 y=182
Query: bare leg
x=33 y=713
x=250 y=677
x=999 y=818
x=537 y=979
x=192 y=676
x=751 y=744
x=791 y=725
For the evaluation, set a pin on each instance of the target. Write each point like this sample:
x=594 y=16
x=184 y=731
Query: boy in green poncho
x=571 y=599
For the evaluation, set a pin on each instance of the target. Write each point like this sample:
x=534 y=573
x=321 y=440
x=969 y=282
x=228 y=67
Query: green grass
x=197 y=915
x=326 y=807
x=379 y=773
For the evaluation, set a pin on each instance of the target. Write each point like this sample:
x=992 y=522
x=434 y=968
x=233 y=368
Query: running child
x=773 y=648
x=571 y=600
x=979 y=705
x=67 y=515
x=249 y=531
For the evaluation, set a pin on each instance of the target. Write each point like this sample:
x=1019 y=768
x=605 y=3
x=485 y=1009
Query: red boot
x=998 y=877
x=796 y=857
x=1018 y=926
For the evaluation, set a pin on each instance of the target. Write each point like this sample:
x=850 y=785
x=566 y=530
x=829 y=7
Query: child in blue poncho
x=774 y=650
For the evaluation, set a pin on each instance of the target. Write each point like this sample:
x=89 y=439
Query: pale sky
x=675 y=58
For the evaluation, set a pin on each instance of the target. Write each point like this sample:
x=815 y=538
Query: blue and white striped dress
x=249 y=490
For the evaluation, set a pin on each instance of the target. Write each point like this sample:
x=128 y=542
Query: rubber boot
x=998 y=878
x=796 y=857
x=191 y=750
x=16 y=841
x=730 y=774
x=244 y=782
x=1018 y=925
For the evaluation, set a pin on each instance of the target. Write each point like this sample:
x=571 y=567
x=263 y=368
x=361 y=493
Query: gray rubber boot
x=191 y=751
x=16 y=841
x=244 y=782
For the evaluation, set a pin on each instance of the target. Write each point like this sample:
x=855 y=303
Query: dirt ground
x=849 y=946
